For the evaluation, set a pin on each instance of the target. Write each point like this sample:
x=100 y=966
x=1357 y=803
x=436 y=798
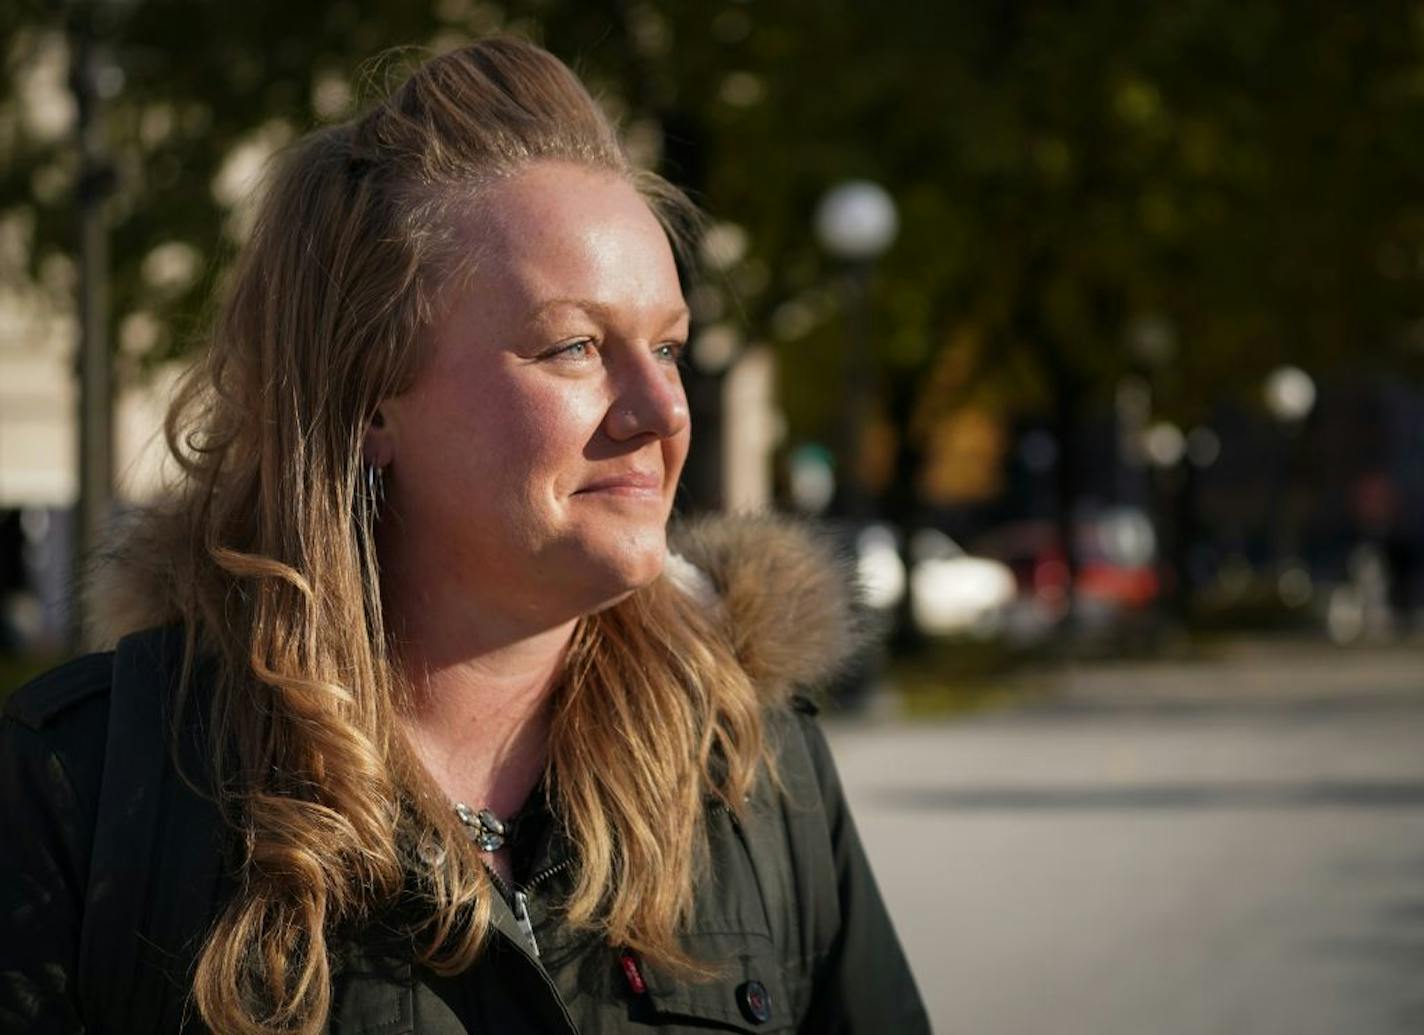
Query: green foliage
x=1243 y=170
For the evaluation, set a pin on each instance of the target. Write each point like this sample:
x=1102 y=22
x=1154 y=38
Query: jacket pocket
x=748 y=993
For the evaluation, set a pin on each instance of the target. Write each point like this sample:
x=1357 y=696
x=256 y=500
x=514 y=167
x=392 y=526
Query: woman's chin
x=627 y=569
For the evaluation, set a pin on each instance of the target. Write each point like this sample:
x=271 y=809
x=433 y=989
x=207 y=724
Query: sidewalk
x=1246 y=671
x=1226 y=843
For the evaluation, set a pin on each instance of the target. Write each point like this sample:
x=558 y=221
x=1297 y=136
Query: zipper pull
x=521 y=917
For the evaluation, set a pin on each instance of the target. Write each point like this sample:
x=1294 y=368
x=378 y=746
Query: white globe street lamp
x=1164 y=444
x=1290 y=394
x=856 y=221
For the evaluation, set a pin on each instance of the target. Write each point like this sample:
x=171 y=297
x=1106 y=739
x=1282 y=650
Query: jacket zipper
x=722 y=806
x=521 y=917
x=545 y=874
x=518 y=897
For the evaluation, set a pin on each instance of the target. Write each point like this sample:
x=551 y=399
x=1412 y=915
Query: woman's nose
x=650 y=400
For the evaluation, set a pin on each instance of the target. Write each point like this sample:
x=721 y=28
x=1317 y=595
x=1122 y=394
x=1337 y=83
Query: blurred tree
x=1202 y=190
x=1240 y=173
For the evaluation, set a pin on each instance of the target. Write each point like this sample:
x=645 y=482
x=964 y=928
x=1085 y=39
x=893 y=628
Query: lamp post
x=1290 y=397
x=856 y=222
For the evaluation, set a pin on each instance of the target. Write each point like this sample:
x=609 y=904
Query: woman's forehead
x=558 y=237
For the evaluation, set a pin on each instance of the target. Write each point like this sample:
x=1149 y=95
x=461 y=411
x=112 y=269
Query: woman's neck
x=479 y=719
x=481 y=662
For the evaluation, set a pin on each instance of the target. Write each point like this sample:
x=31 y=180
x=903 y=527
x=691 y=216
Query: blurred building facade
x=39 y=462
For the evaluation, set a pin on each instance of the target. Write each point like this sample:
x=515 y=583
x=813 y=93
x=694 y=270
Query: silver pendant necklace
x=483 y=827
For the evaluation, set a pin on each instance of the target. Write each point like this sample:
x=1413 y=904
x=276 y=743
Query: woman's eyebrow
x=671 y=315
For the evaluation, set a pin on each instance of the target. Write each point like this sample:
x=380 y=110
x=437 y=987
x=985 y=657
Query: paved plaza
x=1233 y=845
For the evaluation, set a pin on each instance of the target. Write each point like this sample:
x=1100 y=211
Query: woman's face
x=533 y=462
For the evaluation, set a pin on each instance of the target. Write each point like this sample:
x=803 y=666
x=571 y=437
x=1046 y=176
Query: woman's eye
x=571 y=350
x=671 y=351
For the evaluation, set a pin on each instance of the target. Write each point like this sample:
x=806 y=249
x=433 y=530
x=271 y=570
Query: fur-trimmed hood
x=788 y=592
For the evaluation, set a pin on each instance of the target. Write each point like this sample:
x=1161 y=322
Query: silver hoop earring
x=375 y=490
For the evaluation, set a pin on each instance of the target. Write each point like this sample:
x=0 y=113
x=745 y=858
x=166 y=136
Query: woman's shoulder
x=54 y=730
x=802 y=755
x=52 y=745
x=68 y=693
x=797 y=714
x=85 y=833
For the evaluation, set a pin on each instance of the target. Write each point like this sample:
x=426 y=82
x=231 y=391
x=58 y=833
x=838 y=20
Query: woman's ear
x=378 y=448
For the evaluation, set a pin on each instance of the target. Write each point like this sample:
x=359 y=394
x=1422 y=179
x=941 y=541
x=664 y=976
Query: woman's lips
x=633 y=483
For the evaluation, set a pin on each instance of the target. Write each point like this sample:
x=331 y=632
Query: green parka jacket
x=112 y=868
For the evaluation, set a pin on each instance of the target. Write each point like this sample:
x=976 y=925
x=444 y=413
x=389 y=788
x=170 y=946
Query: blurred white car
x=954 y=593
x=951 y=592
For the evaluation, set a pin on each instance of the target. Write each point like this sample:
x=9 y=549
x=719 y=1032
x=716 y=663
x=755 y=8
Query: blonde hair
x=277 y=574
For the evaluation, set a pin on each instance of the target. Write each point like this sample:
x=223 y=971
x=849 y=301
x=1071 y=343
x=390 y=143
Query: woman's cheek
x=565 y=413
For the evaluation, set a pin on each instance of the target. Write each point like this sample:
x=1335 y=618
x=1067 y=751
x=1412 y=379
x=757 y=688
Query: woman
x=428 y=730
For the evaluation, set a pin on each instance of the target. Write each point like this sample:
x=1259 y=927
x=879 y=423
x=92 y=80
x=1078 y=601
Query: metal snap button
x=755 y=1001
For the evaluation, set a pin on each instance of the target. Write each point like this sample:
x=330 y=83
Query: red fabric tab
x=629 y=963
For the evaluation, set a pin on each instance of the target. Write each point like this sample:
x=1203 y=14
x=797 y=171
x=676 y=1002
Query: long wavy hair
x=278 y=581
